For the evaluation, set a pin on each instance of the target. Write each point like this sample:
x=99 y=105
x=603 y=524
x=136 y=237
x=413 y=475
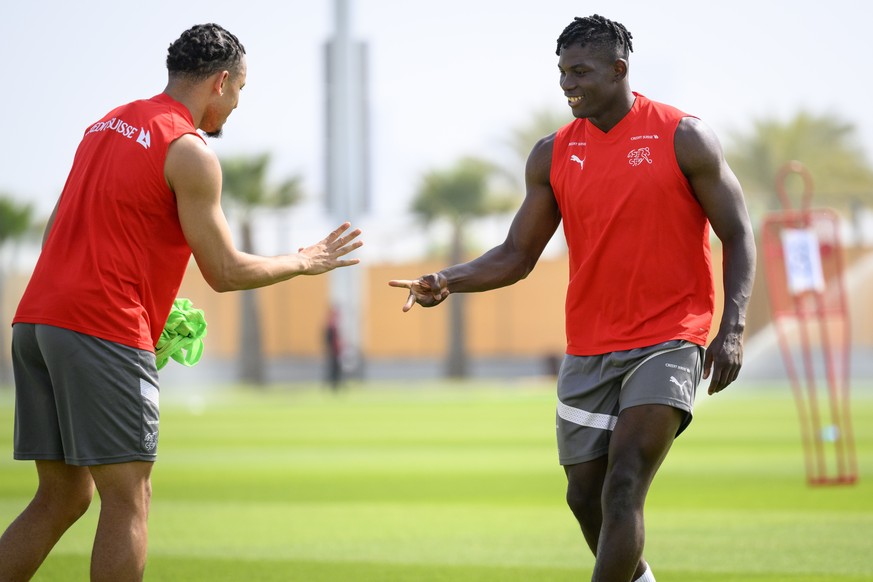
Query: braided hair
x=203 y=50
x=597 y=31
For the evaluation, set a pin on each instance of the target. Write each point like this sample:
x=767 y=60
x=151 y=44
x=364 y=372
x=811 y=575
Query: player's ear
x=619 y=68
x=218 y=81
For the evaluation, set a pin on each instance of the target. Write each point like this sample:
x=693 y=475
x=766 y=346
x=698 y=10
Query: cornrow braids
x=597 y=30
x=204 y=49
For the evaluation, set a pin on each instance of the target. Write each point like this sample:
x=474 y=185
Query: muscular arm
x=531 y=229
x=717 y=189
x=194 y=174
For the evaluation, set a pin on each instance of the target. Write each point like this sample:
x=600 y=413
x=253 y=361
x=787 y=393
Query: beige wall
x=292 y=314
x=525 y=319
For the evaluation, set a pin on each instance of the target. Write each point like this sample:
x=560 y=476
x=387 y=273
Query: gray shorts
x=82 y=399
x=593 y=390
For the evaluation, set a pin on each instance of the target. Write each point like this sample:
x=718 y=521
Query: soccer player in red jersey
x=638 y=185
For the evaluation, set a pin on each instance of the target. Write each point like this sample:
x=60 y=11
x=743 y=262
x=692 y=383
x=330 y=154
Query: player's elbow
x=218 y=284
x=524 y=267
x=221 y=286
x=527 y=269
x=227 y=272
x=517 y=260
x=219 y=278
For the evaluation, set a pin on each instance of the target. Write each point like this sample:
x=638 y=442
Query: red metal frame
x=829 y=450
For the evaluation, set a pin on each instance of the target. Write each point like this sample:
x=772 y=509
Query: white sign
x=802 y=260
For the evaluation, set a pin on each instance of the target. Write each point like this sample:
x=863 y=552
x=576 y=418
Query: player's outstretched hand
x=326 y=255
x=723 y=360
x=427 y=291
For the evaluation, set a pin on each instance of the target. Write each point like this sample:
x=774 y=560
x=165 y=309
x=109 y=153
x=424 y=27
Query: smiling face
x=595 y=84
x=225 y=100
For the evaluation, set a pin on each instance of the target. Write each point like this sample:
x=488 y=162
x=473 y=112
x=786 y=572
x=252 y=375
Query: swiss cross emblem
x=637 y=157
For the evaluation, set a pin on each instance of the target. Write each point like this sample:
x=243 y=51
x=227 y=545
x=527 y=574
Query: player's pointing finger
x=401 y=283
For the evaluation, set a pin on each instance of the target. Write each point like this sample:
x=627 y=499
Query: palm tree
x=459 y=194
x=826 y=145
x=15 y=222
x=246 y=190
x=522 y=139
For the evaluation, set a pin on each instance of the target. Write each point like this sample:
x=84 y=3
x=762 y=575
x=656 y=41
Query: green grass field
x=459 y=482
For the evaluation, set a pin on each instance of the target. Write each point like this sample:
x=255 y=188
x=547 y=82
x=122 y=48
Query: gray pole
x=345 y=171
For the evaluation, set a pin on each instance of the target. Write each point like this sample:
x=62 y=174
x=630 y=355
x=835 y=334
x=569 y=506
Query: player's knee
x=80 y=502
x=66 y=504
x=623 y=493
x=124 y=486
x=133 y=498
x=583 y=501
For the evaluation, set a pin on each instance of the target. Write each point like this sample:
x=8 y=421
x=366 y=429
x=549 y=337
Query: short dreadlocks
x=203 y=50
x=597 y=31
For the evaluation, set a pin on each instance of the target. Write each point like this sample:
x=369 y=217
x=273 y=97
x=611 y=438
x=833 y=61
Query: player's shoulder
x=191 y=147
x=694 y=133
x=544 y=146
x=539 y=162
x=697 y=146
x=189 y=158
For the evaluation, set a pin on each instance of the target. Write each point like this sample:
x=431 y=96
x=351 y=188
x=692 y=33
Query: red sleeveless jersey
x=640 y=266
x=115 y=256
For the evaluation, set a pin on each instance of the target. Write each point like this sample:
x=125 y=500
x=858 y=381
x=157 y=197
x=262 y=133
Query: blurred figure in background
x=333 y=351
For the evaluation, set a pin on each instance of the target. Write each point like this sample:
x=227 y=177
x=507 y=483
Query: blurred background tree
x=16 y=220
x=827 y=145
x=523 y=138
x=244 y=191
x=457 y=195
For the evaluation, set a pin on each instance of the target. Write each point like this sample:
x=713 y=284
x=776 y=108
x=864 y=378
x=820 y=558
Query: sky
x=448 y=79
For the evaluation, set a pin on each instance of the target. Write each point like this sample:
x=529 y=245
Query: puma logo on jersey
x=575 y=158
x=682 y=385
